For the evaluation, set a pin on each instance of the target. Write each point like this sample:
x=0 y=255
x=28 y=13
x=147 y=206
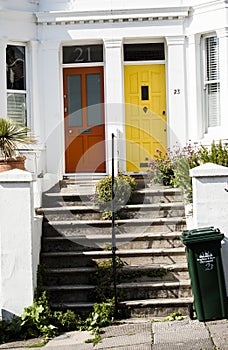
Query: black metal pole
x=113 y=231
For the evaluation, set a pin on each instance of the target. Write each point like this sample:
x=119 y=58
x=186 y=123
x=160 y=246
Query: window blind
x=16 y=107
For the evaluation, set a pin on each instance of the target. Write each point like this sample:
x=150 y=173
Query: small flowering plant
x=162 y=169
x=172 y=168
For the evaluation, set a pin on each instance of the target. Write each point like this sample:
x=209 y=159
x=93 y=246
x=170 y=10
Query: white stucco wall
x=19 y=242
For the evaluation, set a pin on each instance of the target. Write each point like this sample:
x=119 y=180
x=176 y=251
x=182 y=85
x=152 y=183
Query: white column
x=3 y=85
x=210 y=202
x=51 y=110
x=194 y=91
x=223 y=59
x=33 y=64
x=176 y=91
x=17 y=279
x=114 y=101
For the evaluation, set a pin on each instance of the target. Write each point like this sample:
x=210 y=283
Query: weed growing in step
x=103 y=279
x=175 y=316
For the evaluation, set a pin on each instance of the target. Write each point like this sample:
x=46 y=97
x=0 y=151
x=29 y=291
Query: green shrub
x=124 y=185
x=216 y=153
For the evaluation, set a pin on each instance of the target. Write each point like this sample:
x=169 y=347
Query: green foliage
x=38 y=345
x=67 y=321
x=162 y=169
x=39 y=277
x=216 y=153
x=103 y=279
x=12 y=136
x=173 y=167
x=175 y=316
x=124 y=185
x=10 y=331
x=128 y=275
x=102 y=316
x=38 y=320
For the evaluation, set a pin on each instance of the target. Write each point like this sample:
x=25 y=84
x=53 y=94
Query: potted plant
x=12 y=137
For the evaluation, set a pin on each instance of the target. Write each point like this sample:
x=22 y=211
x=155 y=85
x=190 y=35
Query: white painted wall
x=19 y=242
x=210 y=202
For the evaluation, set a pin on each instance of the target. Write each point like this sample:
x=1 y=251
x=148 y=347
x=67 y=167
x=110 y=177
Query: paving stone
x=205 y=344
x=219 y=333
x=123 y=329
x=21 y=344
x=132 y=336
x=185 y=334
x=71 y=338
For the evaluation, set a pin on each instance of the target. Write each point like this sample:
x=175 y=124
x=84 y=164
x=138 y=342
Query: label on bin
x=206 y=258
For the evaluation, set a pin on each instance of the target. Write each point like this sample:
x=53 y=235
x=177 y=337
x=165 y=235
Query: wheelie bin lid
x=202 y=235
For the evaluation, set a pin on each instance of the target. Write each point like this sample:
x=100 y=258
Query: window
x=144 y=52
x=16 y=83
x=211 y=81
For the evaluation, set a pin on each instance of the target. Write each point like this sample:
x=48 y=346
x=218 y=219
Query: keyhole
x=145 y=109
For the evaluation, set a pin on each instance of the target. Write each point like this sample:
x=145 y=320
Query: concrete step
x=123 y=241
x=137 y=308
x=156 y=307
x=79 y=227
x=75 y=196
x=131 y=256
x=89 y=212
x=143 y=290
x=156 y=195
x=84 y=275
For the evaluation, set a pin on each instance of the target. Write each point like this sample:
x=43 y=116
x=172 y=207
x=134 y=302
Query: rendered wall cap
x=16 y=175
x=209 y=170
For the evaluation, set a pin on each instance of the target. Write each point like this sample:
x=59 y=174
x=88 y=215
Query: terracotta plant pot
x=12 y=163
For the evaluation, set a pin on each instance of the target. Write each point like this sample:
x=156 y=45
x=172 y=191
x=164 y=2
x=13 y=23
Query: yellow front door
x=145 y=114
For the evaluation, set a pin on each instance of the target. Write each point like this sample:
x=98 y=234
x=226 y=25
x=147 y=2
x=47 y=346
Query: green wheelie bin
x=203 y=249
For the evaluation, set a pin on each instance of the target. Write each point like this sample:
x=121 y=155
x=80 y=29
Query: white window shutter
x=212 y=83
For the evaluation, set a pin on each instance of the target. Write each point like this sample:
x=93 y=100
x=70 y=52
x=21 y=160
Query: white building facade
x=76 y=71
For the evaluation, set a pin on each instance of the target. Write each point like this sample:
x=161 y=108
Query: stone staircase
x=152 y=274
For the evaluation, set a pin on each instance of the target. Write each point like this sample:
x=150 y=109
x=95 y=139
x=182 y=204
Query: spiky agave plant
x=12 y=136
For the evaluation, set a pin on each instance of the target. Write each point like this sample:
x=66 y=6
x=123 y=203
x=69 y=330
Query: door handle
x=70 y=131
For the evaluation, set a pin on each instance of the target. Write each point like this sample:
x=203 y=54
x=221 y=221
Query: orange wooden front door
x=84 y=119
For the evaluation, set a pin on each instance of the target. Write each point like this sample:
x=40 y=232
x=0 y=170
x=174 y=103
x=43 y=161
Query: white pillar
x=176 y=91
x=33 y=63
x=223 y=67
x=3 y=85
x=50 y=98
x=210 y=202
x=17 y=279
x=194 y=93
x=210 y=198
x=114 y=100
